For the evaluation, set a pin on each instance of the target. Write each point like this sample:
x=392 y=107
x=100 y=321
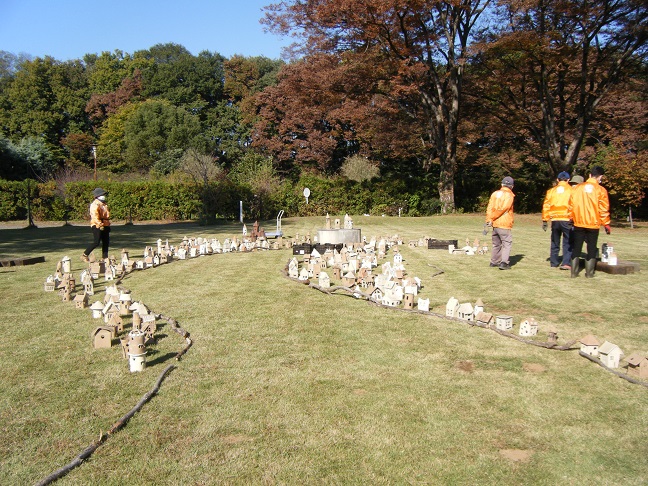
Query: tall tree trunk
x=442 y=131
x=446 y=192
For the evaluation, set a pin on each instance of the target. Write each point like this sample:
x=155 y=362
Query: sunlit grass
x=288 y=385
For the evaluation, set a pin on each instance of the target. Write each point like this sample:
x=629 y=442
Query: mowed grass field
x=288 y=385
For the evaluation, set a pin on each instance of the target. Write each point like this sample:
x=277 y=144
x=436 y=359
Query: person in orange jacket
x=499 y=215
x=575 y=180
x=589 y=209
x=100 y=224
x=554 y=210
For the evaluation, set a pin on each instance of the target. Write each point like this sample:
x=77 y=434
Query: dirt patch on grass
x=403 y=341
x=465 y=365
x=533 y=368
x=516 y=455
x=360 y=391
x=236 y=439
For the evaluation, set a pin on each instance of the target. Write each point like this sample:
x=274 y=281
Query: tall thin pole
x=30 y=219
x=94 y=154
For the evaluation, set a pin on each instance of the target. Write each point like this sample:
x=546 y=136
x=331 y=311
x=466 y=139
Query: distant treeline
x=159 y=200
x=383 y=114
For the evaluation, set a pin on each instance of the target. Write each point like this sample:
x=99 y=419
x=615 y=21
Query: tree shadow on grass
x=65 y=238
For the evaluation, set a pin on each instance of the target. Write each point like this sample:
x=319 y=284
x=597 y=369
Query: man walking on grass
x=99 y=223
x=589 y=209
x=499 y=215
x=554 y=210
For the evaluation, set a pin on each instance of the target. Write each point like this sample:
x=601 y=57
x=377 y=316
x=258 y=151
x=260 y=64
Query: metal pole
x=94 y=154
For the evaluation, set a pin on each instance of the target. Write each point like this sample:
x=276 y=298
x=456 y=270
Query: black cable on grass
x=88 y=451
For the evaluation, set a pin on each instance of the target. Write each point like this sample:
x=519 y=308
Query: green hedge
x=158 y=200
x=137 y=200
x=338 y=196
x=16 y=197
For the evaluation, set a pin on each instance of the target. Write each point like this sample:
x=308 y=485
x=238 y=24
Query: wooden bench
x=14 y=262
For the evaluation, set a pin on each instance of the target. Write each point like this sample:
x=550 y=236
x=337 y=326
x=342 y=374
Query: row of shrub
x=159 y=200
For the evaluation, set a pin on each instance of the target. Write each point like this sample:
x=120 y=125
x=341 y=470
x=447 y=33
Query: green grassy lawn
x=285 y=384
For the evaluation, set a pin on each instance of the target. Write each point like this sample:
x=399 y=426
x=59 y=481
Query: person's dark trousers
x=100 y=236
x=561 y=229
x=589 y=236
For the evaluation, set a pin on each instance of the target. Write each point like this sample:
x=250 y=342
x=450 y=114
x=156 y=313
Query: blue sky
x=68 y=29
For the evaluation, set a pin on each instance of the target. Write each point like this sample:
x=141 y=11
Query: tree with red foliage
x=424 y=42
x=619 y=143
x=294 y=123
x=326 y=107
x=101 y=106
x=544 y=75
x=79 y=149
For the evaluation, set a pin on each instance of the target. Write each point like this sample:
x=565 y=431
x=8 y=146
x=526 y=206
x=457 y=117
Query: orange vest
x=556 y=203
x=500 y=208
x=99 y=214
x=589 y=205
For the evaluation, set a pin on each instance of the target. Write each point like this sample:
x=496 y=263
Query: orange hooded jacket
x=589 y=205
x=556 y=203
x=99 y=214
x=500 y=208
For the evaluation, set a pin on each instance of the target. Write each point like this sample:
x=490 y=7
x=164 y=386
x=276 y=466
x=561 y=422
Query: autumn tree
x=626 y=176
x=79 y=149
x=245 y=76
x=428 y=41
x=551 y=65
x=328 y=107
x=622 y=118
x=299 y=121
x=100 y=106
x=618 y=140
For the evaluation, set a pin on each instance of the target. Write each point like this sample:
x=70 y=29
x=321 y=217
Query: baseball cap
x=99 y=192
x=507 y=181
x=577 y=179
x=563 y=176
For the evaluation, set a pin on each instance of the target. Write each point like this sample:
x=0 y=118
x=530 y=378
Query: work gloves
x=608 y=230
x=544 y=226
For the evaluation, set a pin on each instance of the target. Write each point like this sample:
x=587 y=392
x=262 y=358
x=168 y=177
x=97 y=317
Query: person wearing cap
x=554 y=210
x=99 y=223
x=575 y=180
x=499 y=215
x=589 y=209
